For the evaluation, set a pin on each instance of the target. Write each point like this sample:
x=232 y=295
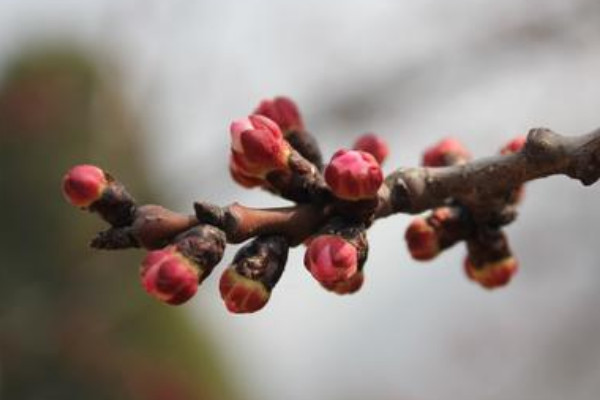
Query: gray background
x=483 y=71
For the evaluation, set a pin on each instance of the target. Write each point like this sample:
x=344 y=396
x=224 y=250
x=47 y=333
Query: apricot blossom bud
x=374 y=145
x=247 y=284
x=84 y=184
x=448 y=151
x=258 y=146
x=353 y=175
x=347 y=286
x=242 y=294
x=492 y=274
x=331 y=259
x=489 y=261
x=514 y=145
x=283 y=111
x=238 y=174
x=422 y=240
x=169 y=276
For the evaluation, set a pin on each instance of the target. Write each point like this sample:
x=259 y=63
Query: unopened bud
x=353 y=175
x=247 y=284
x=283 y=111
x=347 y=286
x=258 y=145
x=514 y=145
x=489 y=261
x=492 y=274
x=447 y=152
x=84 y=184
x=331 y=259
x=169 y=276
x=422 y=240
x=239 y=176
x=374 y=145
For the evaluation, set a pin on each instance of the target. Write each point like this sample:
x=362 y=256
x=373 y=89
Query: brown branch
x=482 y=185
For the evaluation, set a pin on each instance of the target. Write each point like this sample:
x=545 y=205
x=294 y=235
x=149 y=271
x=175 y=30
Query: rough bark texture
x=485 y=186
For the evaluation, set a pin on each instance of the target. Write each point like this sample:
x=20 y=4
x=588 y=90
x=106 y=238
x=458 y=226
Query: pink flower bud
x=84 y=184
x=348 y=286
x=283 y=111
x=514 y=146
x=492 y=274
x=258 y=145
x=238 y=174
x=241 y=294
x=422 y=240
x=374 y=145
x=447 y=152
x=353 y=175
x=331 y=259
x=169 y=276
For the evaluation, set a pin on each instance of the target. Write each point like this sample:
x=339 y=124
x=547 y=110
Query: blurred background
x=147 y=89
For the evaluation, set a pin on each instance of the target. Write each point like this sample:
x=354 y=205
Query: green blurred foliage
x=75 y=323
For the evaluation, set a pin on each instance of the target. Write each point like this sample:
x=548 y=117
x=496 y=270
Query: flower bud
x=353 y=175
x=258 y=146
x=422 y=240
x=241 y=294
x=331 y=259
x=169 y=276
x=374 y=145
x=84 y=184
x=247 y=284
x=239 y=176
x=514 y=146
x=441 y=229
x=489 y=261
x=347 y=286
x=283 y=111
x=492 y=274
x=447 y=152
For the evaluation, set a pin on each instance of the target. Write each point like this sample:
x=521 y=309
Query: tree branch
x=482 y=185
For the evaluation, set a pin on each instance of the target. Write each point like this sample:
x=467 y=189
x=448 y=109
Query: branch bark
x=482 y=185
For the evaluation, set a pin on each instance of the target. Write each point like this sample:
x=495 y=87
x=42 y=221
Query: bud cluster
x=489 y=260
x=335 y=205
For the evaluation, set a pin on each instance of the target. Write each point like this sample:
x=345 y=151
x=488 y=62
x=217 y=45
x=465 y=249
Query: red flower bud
x=422 y=240
x=353 y=175
x=169 y=276
x=514 y=146
x=84 y=184
x=492 y=274
x=256 y=268
x=242 y=294
x=331 y=259
x=283 y=111
x=258 y=145
x=447 y=152
x=374 y=145
x=238 y=174
x=348 y=286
